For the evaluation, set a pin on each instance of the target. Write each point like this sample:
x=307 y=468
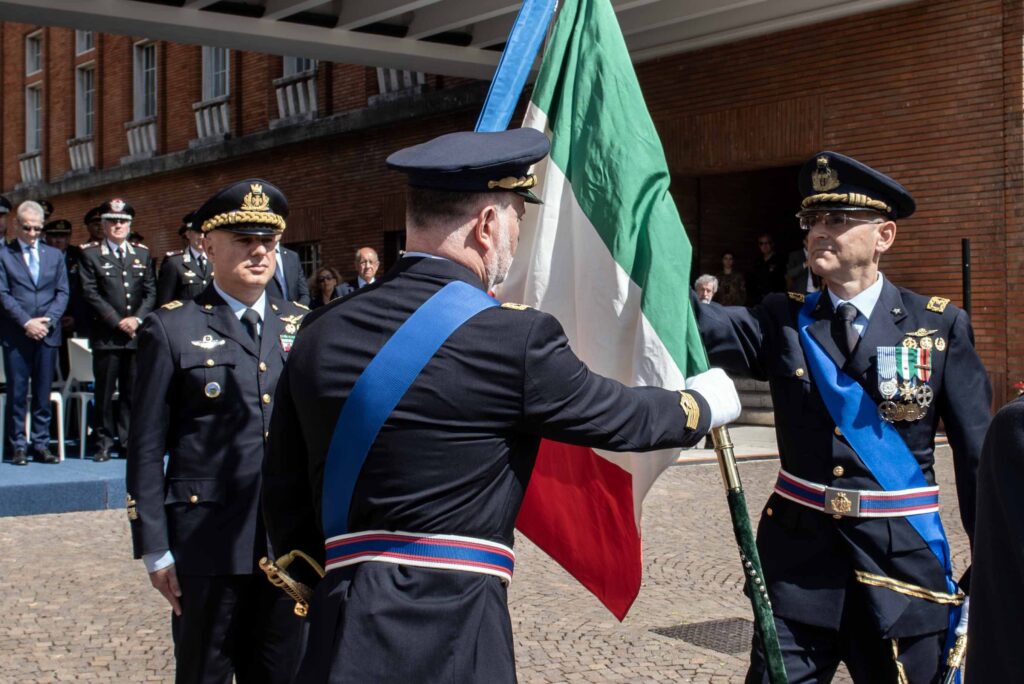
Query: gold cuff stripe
x=691 y=408
x=853 y=198
x=908 y=589
x=232 y=217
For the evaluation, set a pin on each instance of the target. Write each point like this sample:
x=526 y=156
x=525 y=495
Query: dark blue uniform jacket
x=809 y=558
x=454 y=457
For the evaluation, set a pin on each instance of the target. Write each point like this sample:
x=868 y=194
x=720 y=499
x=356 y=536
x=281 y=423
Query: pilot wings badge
x=208 y=342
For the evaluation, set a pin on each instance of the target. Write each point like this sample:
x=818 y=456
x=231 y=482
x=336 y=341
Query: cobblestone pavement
x=77 y=608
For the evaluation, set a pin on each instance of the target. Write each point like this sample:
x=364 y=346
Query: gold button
x=769 y=512
x=209 y=362
x=799 y=372
x=194 y=498
x=838 y=471
x=263 y=367
x=266 y=398
x=839 y=433
x=837 y=517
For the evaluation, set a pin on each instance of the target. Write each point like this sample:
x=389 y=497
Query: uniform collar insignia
x=207 y=342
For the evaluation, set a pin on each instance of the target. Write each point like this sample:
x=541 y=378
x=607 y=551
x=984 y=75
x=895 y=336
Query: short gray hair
x=30 y=207
x=707 y=279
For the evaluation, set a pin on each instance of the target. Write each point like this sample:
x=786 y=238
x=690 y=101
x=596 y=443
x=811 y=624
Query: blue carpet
x=74 y=485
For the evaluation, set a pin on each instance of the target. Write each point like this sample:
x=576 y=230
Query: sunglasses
x=32 y=229
x=325 y=278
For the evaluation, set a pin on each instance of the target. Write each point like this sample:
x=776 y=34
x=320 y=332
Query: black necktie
x=117 y=255
x=251 y=320
x=201 y=260
x=843 y=331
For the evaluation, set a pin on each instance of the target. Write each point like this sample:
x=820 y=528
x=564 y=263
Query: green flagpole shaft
x=764 y=622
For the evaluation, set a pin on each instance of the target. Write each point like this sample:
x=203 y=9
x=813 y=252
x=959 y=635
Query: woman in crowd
x=324 y=286
x=732 y=288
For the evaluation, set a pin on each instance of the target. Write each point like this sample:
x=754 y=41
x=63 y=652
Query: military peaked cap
x=116 y=210
x=5 y=205
x=91 y=215
x=252 y=207
x=475 y=162
x=57 y=227
x=830 y=180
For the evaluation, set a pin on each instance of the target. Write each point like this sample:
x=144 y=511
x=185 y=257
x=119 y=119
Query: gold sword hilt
x=276 y=572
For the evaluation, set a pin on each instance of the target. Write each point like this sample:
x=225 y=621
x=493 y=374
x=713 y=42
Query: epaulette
x=172 y=305
x=140 y=245
x=301 y=306
x=797 y=297
x=88 y=245
x=937 y=304
x=174 y=252
x=515 y=307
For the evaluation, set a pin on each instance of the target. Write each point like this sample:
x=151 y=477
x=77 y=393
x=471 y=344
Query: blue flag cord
x=516 y=61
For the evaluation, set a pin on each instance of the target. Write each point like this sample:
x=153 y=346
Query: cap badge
x=824 y=178
x=256 y=200
x=117 y=205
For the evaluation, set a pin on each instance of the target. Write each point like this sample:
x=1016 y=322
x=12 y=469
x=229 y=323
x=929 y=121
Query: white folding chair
x=79 y=375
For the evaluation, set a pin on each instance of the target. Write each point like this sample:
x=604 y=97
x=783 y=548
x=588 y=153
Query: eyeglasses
x=325 y=278
x=32 y=229
x=832 y=220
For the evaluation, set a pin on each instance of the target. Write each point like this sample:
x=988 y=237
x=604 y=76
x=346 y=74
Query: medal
x=925 y=343
x=924 y=365
x=911 y=411
x=940 y=344
x=887 y=384
x=888 y=411
x=910 y=343
x=212 y=390
x=924 y=395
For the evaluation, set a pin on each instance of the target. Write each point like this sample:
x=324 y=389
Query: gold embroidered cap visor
x=249 y=207
x=833 y=181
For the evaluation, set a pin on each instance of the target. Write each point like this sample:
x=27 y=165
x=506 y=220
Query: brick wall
x=929 y=92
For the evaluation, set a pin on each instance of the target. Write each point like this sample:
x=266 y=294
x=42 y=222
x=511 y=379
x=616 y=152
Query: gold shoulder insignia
x=797 y=297
x=88 y=245
x=301 y=306
x=170 y=306
x=140 y=245
x=937 y=304
x=515 y=307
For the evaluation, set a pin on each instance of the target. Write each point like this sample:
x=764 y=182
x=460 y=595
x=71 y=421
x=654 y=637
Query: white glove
x=961 y=627
x=719 y=391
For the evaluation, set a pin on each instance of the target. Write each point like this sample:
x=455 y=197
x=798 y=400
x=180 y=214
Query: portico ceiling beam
x=454 y=14
x=355 y=14
x=279 y=9
x=181 y=25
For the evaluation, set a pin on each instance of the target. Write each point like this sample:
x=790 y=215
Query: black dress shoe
x=101 y=456
x=19 y=457
x=46 y=456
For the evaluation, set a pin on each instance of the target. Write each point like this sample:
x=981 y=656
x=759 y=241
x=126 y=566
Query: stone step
x=756 y=416
x=748 y=385
x=756 y=400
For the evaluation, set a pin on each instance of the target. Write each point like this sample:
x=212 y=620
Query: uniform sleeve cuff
x=158 y=560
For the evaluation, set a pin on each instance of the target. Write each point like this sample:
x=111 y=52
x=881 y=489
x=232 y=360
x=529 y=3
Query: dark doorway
x=728 y=211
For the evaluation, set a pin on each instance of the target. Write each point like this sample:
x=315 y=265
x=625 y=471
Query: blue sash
x=382 y=385
x=876 y=442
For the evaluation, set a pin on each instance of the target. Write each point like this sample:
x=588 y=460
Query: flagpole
x=764 y=621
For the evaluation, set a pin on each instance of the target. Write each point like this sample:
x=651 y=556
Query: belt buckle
x=843 y=502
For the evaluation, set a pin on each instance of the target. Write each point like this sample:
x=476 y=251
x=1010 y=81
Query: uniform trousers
x=28 y=364
x=812 y=654
x=114 y=369
x=237 y=626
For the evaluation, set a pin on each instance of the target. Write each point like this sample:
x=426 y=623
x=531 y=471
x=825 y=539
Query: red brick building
x=930 y=92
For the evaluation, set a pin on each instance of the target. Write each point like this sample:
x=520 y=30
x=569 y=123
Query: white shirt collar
x=195 y=254
x=238 y=308
x=25 y=247
x=865 y=300
x=114 y=247
x=362 y=283
x=425 y=255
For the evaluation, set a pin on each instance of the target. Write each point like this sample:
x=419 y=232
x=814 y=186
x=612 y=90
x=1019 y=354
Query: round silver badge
x=212 y=390
x=888 y=388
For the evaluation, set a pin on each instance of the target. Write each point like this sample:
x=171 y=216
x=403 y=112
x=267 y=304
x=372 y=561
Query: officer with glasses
x=861 y=373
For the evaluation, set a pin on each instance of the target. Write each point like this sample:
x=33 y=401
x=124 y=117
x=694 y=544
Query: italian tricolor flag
x=607 y=255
